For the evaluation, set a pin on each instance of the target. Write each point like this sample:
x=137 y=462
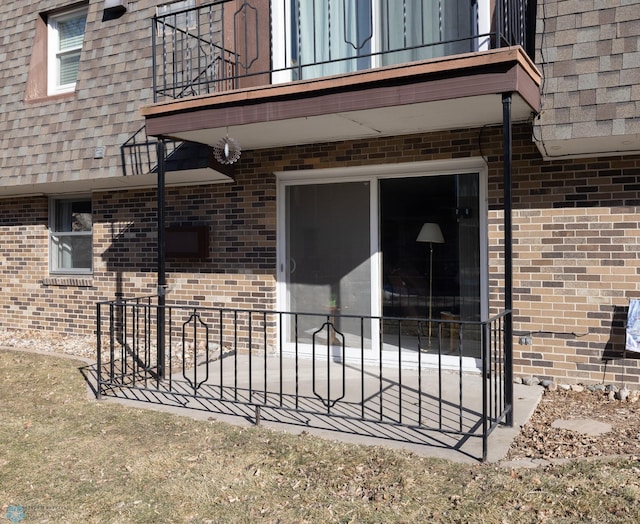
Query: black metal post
x=162 y=280
x=508 y=256
x=154 y=64
x=486 y=390
x=99 y=352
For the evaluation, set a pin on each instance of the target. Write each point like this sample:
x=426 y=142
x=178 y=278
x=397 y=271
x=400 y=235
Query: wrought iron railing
x=229 y=44
x=371 y=370
x=139 y=154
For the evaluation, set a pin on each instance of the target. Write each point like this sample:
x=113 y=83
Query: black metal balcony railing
x=229 y=44
x=346 y=369
x=139 y=154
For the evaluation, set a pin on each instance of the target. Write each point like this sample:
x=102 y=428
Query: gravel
x=80 y=346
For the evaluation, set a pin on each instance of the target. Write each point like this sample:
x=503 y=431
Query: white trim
x=484 y=25
x=356 y=173
x=375 y=264
x=376 y=38
x=375 y=254
x=281 y=247
x=281 y=41
x=483 y=209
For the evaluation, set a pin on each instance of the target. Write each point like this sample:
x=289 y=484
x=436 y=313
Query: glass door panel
x=329 y=262
x=411 y=27
x=431 y=281
x=330 y=37
x=468 y=220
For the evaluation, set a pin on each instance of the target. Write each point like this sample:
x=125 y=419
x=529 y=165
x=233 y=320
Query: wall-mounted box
x=114 y=8
x=187 y=242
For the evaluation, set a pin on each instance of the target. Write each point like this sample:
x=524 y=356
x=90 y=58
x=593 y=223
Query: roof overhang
x=586 y=147
x=32 y=186
x=447 y=93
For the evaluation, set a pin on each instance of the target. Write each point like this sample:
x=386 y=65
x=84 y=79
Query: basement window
x=70 y=236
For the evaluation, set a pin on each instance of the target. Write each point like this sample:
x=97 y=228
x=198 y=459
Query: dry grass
x=65 y=458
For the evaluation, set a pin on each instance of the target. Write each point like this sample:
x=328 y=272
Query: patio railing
x=230 y=44
x=316 y=368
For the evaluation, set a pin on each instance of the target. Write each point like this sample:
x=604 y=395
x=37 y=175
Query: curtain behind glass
x=332 y=35
x=413 y=27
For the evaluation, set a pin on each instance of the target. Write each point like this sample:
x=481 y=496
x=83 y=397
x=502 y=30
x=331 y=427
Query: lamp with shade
x=431 y=233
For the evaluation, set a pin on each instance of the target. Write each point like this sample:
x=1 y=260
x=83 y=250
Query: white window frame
x=56 y=236
x=54 y=53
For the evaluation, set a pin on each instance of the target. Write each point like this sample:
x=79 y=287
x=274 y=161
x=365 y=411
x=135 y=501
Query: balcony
x=282 y=72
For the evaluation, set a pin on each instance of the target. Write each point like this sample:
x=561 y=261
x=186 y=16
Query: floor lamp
x=431 y=233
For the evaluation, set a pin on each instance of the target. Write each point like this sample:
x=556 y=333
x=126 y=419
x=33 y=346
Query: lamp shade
x=430 y=232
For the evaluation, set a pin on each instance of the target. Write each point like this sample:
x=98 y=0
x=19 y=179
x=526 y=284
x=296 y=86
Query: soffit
x=22 y=187
x=586 y=147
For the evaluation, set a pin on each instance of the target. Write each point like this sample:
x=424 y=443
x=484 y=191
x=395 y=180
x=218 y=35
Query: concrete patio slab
x=431 y=413
x=585 y=426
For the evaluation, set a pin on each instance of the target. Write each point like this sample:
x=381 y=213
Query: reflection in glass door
x=328 y=257
x=443 y=277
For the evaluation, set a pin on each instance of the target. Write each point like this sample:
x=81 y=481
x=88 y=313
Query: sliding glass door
x=355 y=251
x=436 y=276
x=337 y=36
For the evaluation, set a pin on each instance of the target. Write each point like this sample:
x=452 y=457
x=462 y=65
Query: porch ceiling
x=447 y=93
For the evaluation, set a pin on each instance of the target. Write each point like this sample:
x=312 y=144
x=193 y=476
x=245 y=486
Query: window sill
x=50 y=98
x=68 y=281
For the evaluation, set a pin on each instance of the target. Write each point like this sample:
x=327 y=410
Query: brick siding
x=576 y=246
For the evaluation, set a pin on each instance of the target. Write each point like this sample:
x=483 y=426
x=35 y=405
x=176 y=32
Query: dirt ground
x=538 y=439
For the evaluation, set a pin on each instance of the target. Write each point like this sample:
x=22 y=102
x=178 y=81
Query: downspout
x=507 y=151
x=162 y=280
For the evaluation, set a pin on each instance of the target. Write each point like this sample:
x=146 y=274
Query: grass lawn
x=66 y=458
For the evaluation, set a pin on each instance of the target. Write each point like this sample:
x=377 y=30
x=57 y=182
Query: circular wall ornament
x=227 y=150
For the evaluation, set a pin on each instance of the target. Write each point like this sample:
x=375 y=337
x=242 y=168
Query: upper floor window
x=65 y=37
x=70 y=235
x=184 y=18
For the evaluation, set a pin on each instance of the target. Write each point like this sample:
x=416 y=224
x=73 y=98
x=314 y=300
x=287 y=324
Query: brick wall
x=576 y=262
x=240 y=268
x=576 y=246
